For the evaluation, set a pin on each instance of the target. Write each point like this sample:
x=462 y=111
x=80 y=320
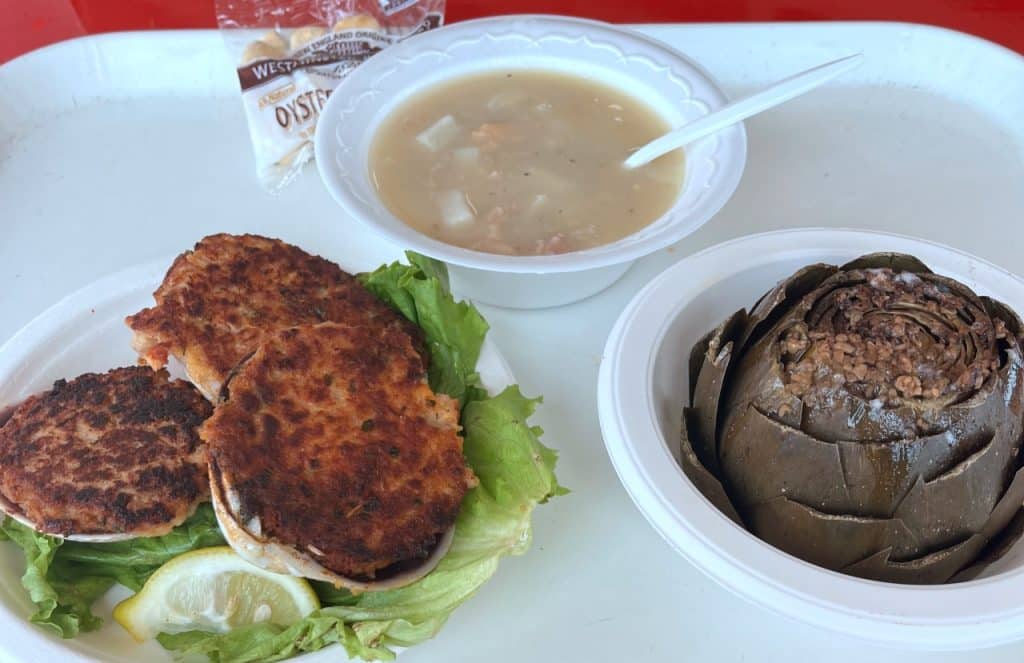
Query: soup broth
x=523 y=163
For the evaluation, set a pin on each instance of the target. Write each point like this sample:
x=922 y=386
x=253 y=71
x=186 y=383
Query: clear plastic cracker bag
x=291 y=54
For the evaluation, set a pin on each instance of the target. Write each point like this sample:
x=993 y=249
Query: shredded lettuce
x=64 y=578
x=515 y=470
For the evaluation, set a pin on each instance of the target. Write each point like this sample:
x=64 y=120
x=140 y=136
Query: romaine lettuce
x=64 y=578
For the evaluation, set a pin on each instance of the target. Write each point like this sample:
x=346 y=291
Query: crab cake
x=331 y=457
x=218 y=301
x=105 y=456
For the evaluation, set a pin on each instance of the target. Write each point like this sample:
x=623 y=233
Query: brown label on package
x=390 y=7
x=331 y=51
x=351 y=49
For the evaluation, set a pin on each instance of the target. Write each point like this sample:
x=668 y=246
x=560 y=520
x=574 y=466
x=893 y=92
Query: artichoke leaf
x=832 y=541
x=708 y=485
x=947 y=565
x=896 y=261
x=992 y=552
x=933 y=568
x=1012 y=395
x=996 y=406
x=1014 y=325
x=1008 y=507
x=782 y=407
x=998 y=545
x=765 y=459
x=880 y=475
x=960 y=502
x=997 y=529
x=769 y=309
x=853 y=419
x=699 y=352
x=959 y=289
x=758 y=378
x=6 y=414
x=707 y=391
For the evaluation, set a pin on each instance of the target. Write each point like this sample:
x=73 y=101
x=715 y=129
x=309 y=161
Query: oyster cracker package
x=291 y=54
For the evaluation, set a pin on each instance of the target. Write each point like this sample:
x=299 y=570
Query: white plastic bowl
x=672 y=85
x=641 y=391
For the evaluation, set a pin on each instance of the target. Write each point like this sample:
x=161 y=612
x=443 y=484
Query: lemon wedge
x=213 y=589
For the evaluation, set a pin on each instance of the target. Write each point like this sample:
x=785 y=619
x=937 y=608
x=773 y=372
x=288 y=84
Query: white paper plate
x=641 y=391
x=86 y=332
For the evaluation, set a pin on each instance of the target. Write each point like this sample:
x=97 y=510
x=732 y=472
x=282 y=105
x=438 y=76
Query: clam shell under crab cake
x=219 y=300
x=332 y=458
x=106 y=456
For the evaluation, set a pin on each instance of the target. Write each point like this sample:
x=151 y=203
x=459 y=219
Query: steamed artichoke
x=867 y=418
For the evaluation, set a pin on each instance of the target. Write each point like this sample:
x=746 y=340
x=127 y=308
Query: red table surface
x=29 y=24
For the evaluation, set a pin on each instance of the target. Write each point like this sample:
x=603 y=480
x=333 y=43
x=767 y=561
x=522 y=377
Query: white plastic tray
x=120 y=149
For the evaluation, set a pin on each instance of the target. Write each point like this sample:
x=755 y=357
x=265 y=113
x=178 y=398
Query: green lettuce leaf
x=64 y=578
x=454 y=331
x=131 y=562
x=269 y=642
x=515 y=470
x=62 y=605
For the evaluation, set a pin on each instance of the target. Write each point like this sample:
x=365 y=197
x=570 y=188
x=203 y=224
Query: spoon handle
x=741 y=109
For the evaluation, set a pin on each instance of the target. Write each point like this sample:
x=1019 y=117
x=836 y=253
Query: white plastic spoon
x=741 y=109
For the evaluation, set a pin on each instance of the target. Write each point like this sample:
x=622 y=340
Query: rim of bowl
x=596 y=257
x=972 y=613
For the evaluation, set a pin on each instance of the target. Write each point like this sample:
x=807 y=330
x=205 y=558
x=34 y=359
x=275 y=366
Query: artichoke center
x=889 y=336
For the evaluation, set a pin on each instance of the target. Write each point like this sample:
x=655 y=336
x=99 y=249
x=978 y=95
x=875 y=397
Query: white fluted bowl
x=676 y=88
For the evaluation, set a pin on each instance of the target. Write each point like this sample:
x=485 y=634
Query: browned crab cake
x=331 y=457
x=219 y=300
x=105 y=456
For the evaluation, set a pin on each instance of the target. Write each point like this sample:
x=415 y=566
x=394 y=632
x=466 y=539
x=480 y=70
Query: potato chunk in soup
x=523 y=163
